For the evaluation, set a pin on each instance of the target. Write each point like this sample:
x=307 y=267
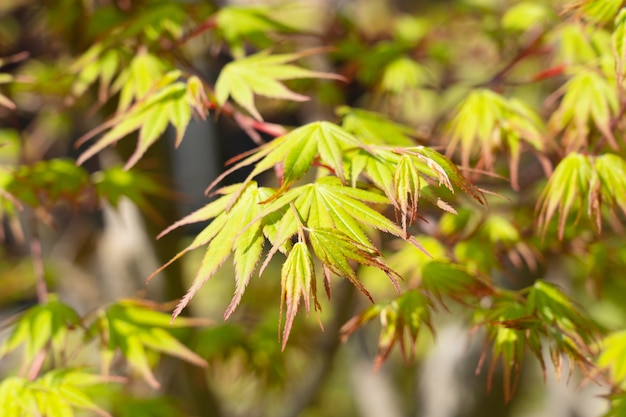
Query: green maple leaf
x=135 y=328
x=45 y=323
x=297 y=282
x=167 y=101
x=115 y=182
x=55 y=394
x=374 y=128
x=261 y=74
x=613 y=356
x=252 y=23
x=587 y=97
x=237 y=229
x=401 y=321
x=296 y=151
x=486 y=121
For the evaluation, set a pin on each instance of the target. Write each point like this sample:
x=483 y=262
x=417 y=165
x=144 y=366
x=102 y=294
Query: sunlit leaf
x=252 y=23
x=401 y=75
x=486 y=122
x=566 y=190
x=55 y=394
x=613 y=356
x=588 y=99
x=261 y=74
x=618 y=43
x=598 y=11
x=526 y=15
x=135 y=329
x=40 y=325
x=598 y=181
x=237 y=230
x=167 y=101
x=134 y=83
x=336 y=251
x=531 y=318
x=374 y=128
x=297 y=282
x=296 y=151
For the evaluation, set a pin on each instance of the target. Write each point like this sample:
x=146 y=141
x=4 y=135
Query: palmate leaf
x=115 y=182
x=568 y=185
x=237 y=229
x=588 y=97
x=538 y=315
x=40 y=325
x=611 y=175
x=327 y=203
x=55 y=394
x=252 y=23
x=401 y=75
x=336 y=250
x=167 y=101
x=507 y=329
x=262 y=74
x=47 y=182
x=134 y=328
x=600 y=181
x=374 y=128
x=398 y=172
x=138 y=79
x=486 y=122
x=97 y=63
x=296 y=151
x=401 y=321
x=443 y=280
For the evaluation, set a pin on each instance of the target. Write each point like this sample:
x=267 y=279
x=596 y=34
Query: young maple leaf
x=261 y=74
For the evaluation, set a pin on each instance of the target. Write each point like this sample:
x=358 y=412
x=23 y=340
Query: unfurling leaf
x=401 y=321
x=568 y=185
x=261 y=74
x=486 y=122
x=600 y=181
x=588 y=98
x=530 y=318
